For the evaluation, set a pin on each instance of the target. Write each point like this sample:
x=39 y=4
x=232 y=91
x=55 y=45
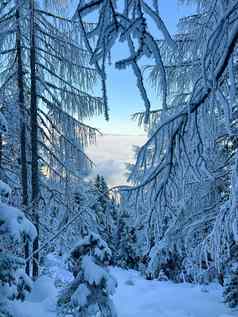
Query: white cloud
x=111 y=153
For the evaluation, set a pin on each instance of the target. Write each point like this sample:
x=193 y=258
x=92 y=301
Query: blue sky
x=113 y=150
x=123 y=95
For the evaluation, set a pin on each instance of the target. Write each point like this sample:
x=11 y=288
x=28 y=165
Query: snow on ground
x=137 y=297
x=165 y=299
x=41 y=302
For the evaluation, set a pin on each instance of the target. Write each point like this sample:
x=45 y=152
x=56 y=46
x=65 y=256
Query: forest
x=166 y=243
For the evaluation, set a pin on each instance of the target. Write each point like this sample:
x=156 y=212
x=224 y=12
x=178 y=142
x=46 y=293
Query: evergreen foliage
x=106 y=209
x=89 y=293
x=126 y=243
x=231 y=278
x=14 y=226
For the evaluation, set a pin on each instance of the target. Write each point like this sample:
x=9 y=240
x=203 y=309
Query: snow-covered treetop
x=14 y=223
x=94 y=245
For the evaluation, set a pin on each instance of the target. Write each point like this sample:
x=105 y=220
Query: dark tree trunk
x=21 y=104
x=34 y=139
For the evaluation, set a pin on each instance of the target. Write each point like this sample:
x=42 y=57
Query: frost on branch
x=90 y=291
x=129 y=25
x=186 y=172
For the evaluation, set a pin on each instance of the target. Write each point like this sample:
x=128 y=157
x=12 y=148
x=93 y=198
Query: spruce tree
x=89 y=293
x=231 y=278
x=106 y=211
x=126 y=248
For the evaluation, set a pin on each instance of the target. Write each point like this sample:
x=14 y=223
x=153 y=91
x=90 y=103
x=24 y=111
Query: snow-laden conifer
x=89 y=294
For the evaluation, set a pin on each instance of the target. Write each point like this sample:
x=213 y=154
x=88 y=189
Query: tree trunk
x=34 y=139
x=21 y=104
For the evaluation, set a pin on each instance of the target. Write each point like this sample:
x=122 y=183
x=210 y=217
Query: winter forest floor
x=135 y=297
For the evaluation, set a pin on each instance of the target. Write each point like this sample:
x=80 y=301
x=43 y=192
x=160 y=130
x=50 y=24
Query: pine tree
x=106 y=211
x=132 y=259
x=126 y=243
x=89 y=293
x=231 y=286
x=231 y=278
x=101 y=205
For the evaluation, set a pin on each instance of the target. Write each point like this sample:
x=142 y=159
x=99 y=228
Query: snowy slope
x=137 y=297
